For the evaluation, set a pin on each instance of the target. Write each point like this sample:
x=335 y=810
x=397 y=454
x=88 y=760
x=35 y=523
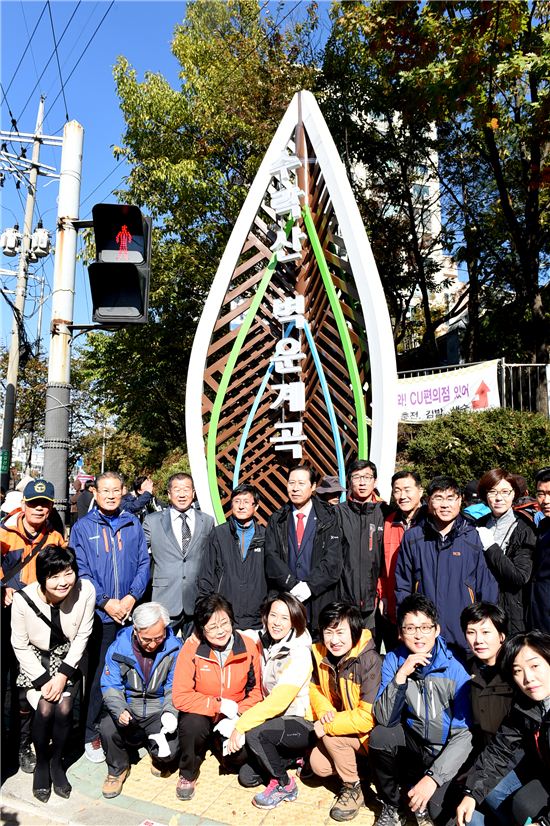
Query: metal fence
x=522 y=386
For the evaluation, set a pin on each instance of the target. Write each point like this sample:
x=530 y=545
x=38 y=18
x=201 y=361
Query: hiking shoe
x=348 y=802
x=113 y=783
x=249 y=777
x=27 y=760
x=423 y=818
x=274 y=793
x=93 y=751
x=185 y=789
x=390 y=816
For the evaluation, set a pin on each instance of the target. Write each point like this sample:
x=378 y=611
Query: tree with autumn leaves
x=458 y=91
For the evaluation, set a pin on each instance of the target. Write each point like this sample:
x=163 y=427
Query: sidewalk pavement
x=151 y=801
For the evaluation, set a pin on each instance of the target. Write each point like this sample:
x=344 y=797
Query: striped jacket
x=348 y=689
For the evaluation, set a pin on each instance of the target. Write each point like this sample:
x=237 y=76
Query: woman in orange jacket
x=217 y=677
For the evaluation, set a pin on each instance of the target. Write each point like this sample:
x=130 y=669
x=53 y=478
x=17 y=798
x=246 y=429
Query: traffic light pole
x=58 y=393
x=19 y=308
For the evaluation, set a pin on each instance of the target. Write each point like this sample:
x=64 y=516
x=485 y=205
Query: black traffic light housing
x=119 y=277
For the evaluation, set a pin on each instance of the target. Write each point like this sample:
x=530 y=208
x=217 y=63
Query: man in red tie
x=303 y=552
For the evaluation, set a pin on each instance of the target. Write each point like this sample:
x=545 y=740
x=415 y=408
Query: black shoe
x=63 y=791
x=27 y=760
x=249 y=777
x=43 y=795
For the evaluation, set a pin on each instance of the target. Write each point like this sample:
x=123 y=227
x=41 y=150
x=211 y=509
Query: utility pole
x=58 y=393
x=19 y=307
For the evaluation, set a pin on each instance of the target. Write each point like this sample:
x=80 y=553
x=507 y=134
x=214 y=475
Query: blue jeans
x=496 y=804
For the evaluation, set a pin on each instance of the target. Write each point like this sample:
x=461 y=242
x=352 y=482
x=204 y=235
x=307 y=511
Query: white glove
x=229 y=708
x=225 y=727
x=162 y=743
x=486 y=536
x=169 y=722
x=301 y=591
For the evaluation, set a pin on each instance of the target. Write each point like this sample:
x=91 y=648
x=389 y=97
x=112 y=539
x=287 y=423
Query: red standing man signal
x=123 y=238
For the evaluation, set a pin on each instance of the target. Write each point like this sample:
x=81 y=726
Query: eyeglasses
x=450 y=500
x=410 y=630
x=219 y=626
x=150 y=640
x=243 y=502
x=365 y=478
x=492 y=494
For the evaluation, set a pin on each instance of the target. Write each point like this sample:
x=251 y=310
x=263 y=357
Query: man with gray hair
x=137 y=691
x=112 y=553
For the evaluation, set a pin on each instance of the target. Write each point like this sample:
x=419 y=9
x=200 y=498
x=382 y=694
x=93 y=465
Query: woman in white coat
x=279 y=728
x=51 y=622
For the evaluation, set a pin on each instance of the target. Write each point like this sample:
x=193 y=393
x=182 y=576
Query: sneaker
x=348 y=803
x=185 y=789
x=93 y=751
x=112 y=785
x=423 y=818
x=273 y=794
x=390 y=816
x=27 y=760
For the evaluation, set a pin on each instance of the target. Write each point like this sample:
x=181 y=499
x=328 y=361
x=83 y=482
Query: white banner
x=468 y=388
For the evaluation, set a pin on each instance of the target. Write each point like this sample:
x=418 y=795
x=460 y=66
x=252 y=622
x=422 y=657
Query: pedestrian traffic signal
x=119 y=277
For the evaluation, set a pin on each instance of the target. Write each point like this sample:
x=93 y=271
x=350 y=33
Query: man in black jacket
x=233 y=565
x=361 y=524
x=303 y=552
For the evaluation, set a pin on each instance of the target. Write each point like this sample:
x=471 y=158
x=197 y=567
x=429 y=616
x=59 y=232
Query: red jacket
x=200 y=683
x=394 y=531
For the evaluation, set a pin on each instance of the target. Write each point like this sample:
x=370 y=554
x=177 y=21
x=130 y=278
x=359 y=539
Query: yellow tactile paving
x=220 y=797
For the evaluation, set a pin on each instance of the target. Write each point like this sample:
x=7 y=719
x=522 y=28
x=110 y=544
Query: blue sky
x=142 y=32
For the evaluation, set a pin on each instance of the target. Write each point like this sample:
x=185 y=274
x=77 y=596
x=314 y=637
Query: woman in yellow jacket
x=282 y=722
x=345 y=681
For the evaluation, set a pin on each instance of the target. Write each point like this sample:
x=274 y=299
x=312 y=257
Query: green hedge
x=466 y=444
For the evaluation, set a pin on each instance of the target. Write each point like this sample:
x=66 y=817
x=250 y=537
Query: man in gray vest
x=178 y=538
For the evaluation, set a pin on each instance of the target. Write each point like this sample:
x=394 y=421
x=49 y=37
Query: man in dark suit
x=303 y=552
x=178 y=538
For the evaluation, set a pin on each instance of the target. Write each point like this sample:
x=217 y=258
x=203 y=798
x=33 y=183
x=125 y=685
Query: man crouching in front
x=137 y=690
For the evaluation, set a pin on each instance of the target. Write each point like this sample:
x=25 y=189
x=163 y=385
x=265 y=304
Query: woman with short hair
x=524 y=736
x=509 y=542
x=51 y=622
x=217 y=677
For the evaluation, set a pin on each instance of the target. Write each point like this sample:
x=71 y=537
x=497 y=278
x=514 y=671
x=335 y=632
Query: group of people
x=404 y=644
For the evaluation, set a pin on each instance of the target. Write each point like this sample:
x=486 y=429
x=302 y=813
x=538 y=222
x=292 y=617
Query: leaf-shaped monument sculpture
x=293 y=358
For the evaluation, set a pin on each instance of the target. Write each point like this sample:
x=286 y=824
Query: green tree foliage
x=479 y=73
x=466 y=444
x=193 y=152
x=488 y=90
x=388 y=143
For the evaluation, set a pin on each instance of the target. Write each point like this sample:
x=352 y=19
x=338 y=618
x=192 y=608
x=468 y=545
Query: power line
x=13 y=120
x=57 y=59
x=25 y=50
x=87 y=198
x=111 y=4
x=49 y=61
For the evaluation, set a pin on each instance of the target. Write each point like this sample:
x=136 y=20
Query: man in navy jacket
x=443 y=559
x=112 y=553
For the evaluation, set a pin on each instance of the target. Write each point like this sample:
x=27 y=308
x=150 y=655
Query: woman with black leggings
x=51 y=621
